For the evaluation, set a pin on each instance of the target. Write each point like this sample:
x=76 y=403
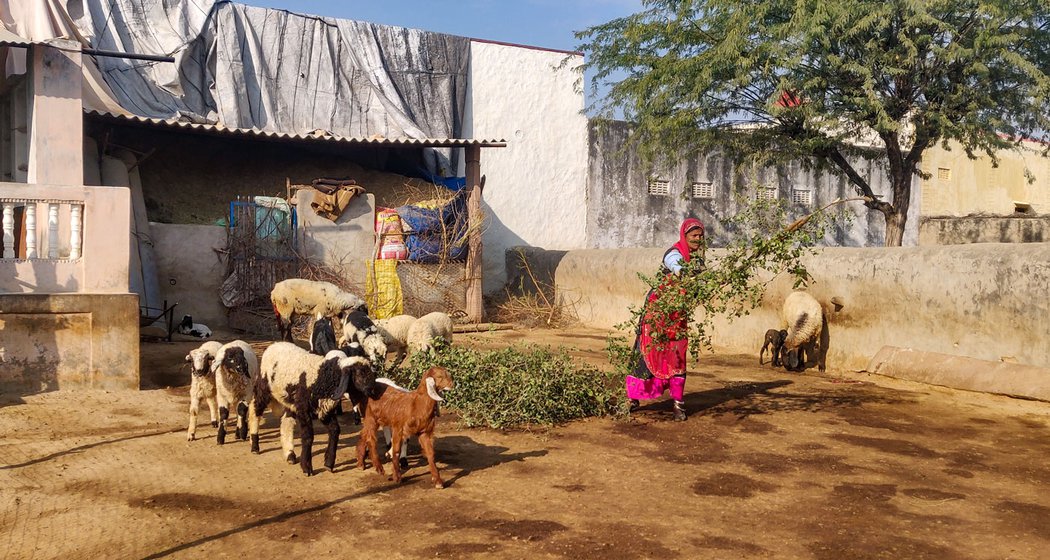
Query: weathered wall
x=68 y=341
x=535 y=190
x=622 y=213
x=191 y=270
x=985 y=301
x=946 y=230
x=960 y=186
x=345 y=245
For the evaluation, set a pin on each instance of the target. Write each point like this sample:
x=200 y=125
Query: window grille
x=659 y=187
x=703 y=189
x=802 y=196
x=767 y=193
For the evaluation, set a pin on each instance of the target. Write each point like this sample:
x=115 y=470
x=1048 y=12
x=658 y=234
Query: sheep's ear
x=189 y=358
x=432 y=391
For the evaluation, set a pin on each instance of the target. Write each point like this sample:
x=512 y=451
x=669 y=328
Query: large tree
x=815 y=79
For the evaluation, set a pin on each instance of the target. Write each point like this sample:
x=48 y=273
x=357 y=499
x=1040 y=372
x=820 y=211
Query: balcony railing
x=64 y=239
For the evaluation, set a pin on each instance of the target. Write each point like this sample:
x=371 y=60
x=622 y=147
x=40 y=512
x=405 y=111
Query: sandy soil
x=769 y=464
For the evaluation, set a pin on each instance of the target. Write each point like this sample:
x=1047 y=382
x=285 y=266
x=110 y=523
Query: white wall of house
x=536 y=188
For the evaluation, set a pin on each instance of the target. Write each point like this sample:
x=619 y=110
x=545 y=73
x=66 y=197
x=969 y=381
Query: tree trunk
x=897 y=213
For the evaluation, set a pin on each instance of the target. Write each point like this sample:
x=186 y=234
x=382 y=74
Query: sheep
x=322 y=336
x=806 y=326
x=428 y=328
x=775 y=342
x=188 y=327
x=407 y=414
x=394 y=331
x=236 y=371
x=202 y=384
x=302 y=386
x=359 y=328
x=298 y=296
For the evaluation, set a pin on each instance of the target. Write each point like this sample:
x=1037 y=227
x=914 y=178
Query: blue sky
x=540 y=23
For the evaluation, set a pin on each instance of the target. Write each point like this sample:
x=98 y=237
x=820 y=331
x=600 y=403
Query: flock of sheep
x=303 y=385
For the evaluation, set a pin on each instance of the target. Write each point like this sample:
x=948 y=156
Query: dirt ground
x=769 y=465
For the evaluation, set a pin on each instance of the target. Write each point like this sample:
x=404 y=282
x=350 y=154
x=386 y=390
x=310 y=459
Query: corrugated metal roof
x=10 y=39
x=319 y=136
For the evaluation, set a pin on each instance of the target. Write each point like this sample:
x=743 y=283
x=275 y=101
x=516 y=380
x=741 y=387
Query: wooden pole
x=475 y=310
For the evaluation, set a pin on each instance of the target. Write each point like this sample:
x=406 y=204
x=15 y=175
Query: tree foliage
x=815 y=79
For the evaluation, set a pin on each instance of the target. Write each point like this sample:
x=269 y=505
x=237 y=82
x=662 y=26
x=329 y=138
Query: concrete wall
x=960 y=186
x=190 y=270
x=944 y=230
x=345 y=245
x=622 y=213
x=985 y=301
x=68 y=341
x=535 y=190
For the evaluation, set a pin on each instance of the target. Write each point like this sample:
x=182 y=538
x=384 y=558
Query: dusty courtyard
x=769 y=464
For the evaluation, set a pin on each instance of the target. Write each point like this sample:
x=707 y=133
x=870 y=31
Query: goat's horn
x=432 y=391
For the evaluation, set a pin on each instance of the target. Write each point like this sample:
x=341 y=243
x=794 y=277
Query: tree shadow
x=80 y=448
x=753 y=398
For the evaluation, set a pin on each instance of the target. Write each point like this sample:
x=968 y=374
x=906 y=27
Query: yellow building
x=960 y=186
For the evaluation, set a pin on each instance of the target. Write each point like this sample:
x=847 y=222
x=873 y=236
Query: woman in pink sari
x=663 y=366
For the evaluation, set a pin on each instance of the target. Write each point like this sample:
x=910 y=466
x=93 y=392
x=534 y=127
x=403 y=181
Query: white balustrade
x=9 y=230
x=31 y=230
x=33 y=249
x=74 y=231
x=52 y=231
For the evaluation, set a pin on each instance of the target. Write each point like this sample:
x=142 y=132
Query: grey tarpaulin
x=247 y=67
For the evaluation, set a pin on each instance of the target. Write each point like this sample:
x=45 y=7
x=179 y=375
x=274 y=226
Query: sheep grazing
x=297 y=296
x=236 y=372
x=202 y=383
x=428 y=328
x=188 y=327
x=322 y=335
x=394 y=331
x=407 y=414
x=806 y=330
x=775 y=342
x=359 y=328
x=302 y=386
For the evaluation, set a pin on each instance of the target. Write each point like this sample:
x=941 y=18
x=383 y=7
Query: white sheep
x=359 y=328
x=202 y=383
x=297 y=296
x=394 y=331
x=803 y=318
x=428 y=328
x=302 y=386
x=236 y=372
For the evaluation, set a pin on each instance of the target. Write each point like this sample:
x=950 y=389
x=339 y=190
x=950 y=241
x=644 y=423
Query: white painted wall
x=536 y=188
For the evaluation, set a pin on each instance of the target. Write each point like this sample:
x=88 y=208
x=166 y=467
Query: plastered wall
x=536 y=188
x=985 y=301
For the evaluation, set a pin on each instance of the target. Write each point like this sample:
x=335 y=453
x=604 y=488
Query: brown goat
x=407 y=413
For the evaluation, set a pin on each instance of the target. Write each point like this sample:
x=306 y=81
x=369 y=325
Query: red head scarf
x=688 y=225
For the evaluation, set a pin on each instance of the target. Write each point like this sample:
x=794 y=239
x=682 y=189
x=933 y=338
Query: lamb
x=407 y=414
x=394 y=331
x=202 y=384
x=302 y=386
x=775 y=342
x=187 y=326
x=428 y=328
x=806 y=327
x=236 y=372
x=298 y=296
x=359 y=328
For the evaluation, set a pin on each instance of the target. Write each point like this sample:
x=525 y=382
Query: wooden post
x=475 y=310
